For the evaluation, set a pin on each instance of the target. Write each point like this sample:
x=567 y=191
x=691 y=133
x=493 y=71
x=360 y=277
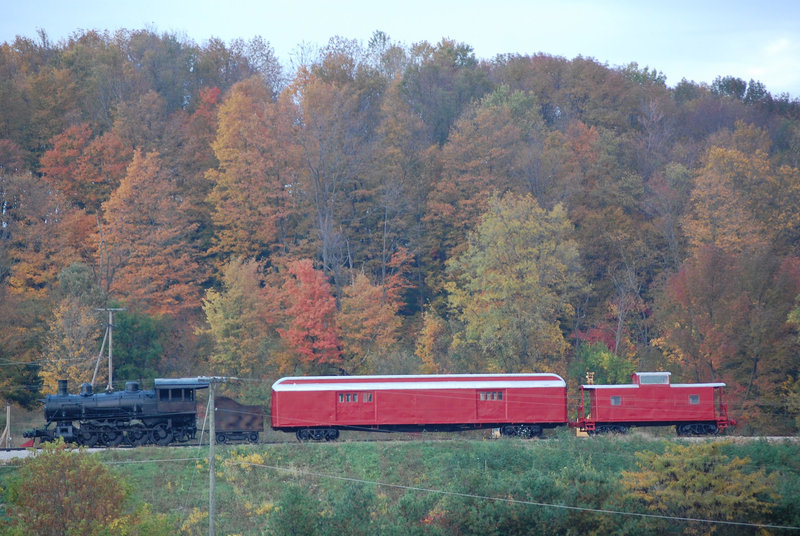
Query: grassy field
x=424 y=485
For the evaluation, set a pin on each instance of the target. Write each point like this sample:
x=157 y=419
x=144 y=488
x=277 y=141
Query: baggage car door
x=491 y=405
x=355 y=407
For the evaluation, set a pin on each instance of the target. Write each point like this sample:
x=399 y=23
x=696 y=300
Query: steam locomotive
x=317 y=408
x=135 y=416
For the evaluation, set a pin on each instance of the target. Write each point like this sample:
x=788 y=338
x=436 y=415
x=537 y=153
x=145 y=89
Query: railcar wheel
x=161 y=434
x=508 y=430
x=253 y=437
x=222 y=438
x=332 y=434
x=304 y=434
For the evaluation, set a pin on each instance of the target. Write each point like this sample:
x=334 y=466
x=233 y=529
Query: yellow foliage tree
x=70 y=350
x=699 y=481
x=368 y=325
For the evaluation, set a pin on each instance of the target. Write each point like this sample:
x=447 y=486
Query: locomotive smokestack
x=62 y=388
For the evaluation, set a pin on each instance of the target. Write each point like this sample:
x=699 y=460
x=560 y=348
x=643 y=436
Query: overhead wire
x=522 y=502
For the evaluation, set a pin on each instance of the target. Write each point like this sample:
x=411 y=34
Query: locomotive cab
x=177 y=395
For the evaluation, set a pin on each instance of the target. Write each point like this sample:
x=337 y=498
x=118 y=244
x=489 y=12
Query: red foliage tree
x=312 y=332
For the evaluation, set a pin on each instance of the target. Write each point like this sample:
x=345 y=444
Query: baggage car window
x=694 y=399
x=344 y=398
x=616 y=400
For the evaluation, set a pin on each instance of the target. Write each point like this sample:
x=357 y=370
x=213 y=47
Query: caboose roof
x=429 y=381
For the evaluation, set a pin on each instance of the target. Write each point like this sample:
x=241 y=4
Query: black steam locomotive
x=134 y=416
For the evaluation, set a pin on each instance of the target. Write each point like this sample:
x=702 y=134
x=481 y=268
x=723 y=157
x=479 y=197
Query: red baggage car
x=694 y=408
x=318 y=407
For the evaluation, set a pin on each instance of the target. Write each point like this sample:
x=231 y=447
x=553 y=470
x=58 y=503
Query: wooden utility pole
x=109 y=336
x=212 y=439
x=5 y=437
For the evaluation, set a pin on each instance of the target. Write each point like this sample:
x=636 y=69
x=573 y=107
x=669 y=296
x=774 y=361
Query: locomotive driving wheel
x=161 y=434
x=111 y=437
x=136 y=435
x=89 y=436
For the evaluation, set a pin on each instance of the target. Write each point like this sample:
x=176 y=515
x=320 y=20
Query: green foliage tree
x=139 y=344
x=515 y=285
x=297 y=513
x=699 y=481
x=59 y=492
x=608 y=367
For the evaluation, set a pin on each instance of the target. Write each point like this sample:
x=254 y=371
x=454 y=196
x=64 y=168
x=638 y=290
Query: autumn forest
x=383 y=208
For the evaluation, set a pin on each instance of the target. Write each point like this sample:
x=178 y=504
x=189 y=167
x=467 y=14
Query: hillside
x=392 y=209
x=464 y=486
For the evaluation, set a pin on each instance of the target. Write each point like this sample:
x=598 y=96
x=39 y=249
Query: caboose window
x=694 y=399
x=616 y=400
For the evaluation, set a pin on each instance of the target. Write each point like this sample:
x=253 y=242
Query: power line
x=521 y=502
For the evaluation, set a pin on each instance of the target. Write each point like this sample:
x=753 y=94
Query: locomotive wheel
x=110 y=437
x=136 y=435
x=161 y=434
x=89 y=437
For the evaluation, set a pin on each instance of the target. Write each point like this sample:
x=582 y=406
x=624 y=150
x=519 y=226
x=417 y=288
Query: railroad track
x=22 y=452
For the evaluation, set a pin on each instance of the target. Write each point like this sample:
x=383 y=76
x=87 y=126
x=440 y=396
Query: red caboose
x=518 y=404
x=694 y=408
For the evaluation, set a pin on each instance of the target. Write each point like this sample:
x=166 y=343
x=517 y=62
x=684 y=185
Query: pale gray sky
x=697 y=40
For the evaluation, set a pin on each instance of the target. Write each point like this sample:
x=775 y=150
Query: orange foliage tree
x=312 y=332
x=147 y=253
x=254 y=186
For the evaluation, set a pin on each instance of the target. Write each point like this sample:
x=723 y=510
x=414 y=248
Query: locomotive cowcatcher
x=134 y=416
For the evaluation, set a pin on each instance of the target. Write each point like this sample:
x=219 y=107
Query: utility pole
x=5 y=437
x=109 y=337
x=212 y=440
x=212 y=472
